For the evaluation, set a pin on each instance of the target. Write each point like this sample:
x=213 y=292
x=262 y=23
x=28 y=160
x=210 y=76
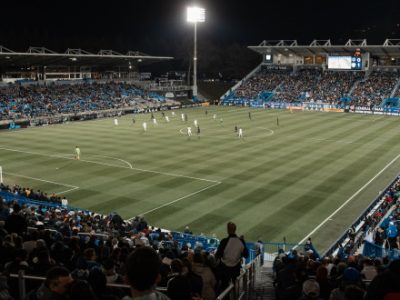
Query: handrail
x=241 y=289
x=365 y=213
x=225 y=292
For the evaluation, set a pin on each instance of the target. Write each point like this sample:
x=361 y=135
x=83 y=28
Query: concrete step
x=264 y=288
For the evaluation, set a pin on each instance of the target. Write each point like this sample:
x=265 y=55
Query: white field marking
x=176 y=200
x=348 y=200
x=270 y=130
x=72 y=187
x=124 y=161
x=111 y=165
x=330 y=140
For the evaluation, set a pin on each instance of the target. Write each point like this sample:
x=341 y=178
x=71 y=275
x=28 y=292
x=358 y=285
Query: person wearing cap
x=310 y=290
x=230 y=252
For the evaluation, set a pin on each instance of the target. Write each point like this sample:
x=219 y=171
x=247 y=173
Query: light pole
x=195 y=15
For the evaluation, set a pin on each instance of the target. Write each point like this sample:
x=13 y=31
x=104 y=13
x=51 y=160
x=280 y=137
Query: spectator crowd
x=316 y=85
x=375 y=89
x=80 y=252
x=32 y=101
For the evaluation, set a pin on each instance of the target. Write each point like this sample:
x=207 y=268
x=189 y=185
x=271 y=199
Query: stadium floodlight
x=195 y=15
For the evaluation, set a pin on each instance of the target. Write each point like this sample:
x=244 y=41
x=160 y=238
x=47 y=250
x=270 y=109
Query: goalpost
x=1 y=174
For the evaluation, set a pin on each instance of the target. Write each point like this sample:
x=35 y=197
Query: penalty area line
x=176 y=200
x=347 y=201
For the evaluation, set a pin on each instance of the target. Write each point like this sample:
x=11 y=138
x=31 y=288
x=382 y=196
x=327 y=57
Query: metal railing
x=243 y=286
x=358 y=224
x=240 y=290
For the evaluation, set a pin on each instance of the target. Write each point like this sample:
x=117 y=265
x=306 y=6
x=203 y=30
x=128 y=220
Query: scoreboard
x=345 y=62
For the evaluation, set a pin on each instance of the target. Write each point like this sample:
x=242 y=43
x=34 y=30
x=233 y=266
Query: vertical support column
x=195 y=61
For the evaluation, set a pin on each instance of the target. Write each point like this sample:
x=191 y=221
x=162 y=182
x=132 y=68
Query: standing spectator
x=230 y=251
x=143 y=273
x=4 y=210
x=15 y=222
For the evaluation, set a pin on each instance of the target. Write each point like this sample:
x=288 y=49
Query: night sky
x=158 y=27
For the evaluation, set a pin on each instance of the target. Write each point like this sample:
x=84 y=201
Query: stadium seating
x=286 y=85
x=375 y=89
x=64 y=236
x=298 y=86
x=31 y=101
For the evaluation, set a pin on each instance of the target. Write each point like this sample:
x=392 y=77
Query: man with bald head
x=230 y=252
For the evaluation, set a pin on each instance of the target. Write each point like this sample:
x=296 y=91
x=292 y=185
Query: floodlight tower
x=195 y=15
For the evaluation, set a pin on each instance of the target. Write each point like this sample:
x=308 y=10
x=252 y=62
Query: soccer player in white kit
x=189 y=131
x=167 y=118
x=195 y=123
x=155 y=121
x=240 y=134
x=173 y=113
x=144 y=126
x=214 y=116
x=183 y=117
x=77 y=153
x=116 y=122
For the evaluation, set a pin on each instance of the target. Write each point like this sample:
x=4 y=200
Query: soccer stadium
x=117 y=183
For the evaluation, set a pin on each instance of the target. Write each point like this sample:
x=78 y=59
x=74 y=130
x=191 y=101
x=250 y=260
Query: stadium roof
x=390 y=48
x=41 y=56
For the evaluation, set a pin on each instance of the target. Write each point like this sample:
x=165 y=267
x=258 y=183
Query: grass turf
x=279 y=181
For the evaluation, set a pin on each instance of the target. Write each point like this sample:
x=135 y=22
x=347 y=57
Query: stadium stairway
x=395 y=89
x=264 y=285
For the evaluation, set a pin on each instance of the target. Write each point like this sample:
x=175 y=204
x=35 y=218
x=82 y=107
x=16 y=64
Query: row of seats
x=333 y=87
x=31 y=101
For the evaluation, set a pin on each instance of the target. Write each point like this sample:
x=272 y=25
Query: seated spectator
x=109 y=271
x=310 y=290
x=56 y=285
x=209 y=280
x=82 y=290
x=351 y=276
x=368 y=271
x=386 y=284
x=353 y=292
x=323 y=281
x=195 y=281
x=4 y=289
x=179 y=287
x=143 y=273
x=98 y=282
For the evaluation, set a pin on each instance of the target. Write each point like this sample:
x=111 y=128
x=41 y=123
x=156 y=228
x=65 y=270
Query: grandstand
x=306 y=183
x=354 y=74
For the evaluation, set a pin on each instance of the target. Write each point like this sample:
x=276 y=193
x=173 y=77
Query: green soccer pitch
x=313 y=174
